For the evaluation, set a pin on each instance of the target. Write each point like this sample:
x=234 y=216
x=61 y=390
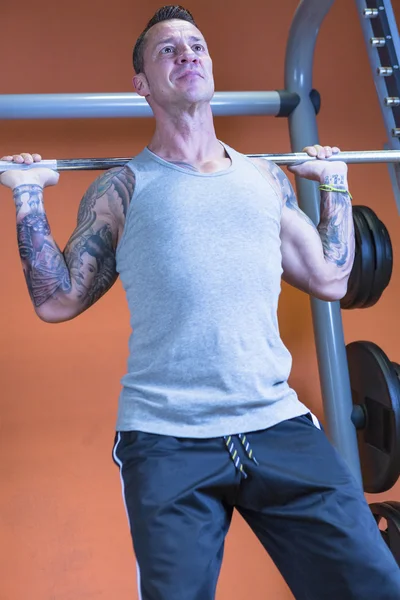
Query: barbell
x=295 y=158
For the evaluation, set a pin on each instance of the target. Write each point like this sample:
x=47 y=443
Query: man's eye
x=198 y=48
x=167 y=50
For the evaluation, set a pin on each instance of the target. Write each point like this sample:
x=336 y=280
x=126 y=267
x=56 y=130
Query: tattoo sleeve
x=335 y=227
x=86 y=269
x=90 y=252
x=42 y=260
x=336 y=223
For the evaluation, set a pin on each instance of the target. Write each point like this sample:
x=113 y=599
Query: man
x=201 y=236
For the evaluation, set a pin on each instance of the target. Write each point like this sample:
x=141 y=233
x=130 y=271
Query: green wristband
x=330 y=188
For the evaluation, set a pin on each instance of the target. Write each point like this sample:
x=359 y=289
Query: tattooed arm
x=90 y=251
x=64 y=284
x=316 y=259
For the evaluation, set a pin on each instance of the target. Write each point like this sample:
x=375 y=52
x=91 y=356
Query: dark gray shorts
x=300 y=500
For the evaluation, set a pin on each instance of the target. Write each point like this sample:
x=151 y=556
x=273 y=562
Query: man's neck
x=186 y=138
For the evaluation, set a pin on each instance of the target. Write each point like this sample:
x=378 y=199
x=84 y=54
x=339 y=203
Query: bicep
x=90 y=251
x=303 y=261
x=301 y=248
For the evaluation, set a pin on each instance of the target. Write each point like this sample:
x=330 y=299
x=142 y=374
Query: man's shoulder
x=271 y=173
x=267 y=168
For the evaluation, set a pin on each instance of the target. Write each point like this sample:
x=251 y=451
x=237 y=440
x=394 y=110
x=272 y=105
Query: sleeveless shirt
x=201 y=265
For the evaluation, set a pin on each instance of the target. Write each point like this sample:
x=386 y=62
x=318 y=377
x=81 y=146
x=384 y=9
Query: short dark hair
x=164 y=13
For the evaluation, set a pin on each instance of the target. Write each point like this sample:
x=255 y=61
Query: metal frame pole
x=112 y=105
x=328 y=329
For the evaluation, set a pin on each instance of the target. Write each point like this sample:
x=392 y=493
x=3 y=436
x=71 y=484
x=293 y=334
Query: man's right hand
x=38 y=176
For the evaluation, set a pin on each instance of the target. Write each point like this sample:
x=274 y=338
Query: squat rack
x=300 y=103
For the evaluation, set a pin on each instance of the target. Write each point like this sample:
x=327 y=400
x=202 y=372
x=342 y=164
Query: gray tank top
x=200 y=262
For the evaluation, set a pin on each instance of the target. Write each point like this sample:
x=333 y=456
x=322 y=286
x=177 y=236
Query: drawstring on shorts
x=234 y=454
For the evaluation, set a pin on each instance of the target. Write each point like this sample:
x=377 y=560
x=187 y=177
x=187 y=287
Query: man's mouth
x=189 y=73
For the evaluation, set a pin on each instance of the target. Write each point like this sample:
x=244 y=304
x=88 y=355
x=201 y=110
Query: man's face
x=87 y=270
x=177 y=66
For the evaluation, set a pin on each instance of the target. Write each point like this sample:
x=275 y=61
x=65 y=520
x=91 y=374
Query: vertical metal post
x=379 y=27
x=328 y=329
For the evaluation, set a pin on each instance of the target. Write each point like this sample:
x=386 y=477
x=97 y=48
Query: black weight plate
x=367 y=256
x=396 y=367
x=375 y=385
x=379 y=245
x=383 y=259
x=388 y=253
x=350 y=298
x=390 y=511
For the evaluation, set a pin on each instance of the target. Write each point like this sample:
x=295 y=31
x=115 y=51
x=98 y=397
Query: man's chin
x=196 y=97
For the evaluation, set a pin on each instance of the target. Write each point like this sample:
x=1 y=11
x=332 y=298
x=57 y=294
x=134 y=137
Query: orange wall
x=63 y=530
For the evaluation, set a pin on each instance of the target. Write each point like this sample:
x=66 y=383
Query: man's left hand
x=317 y=170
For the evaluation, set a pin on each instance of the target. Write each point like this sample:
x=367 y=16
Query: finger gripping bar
x=12 y=166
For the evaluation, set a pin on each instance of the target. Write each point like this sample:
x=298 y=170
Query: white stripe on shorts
x=315 y=420
x=119 y=463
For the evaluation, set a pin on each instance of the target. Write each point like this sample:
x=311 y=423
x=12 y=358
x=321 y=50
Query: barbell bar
x=93 y=164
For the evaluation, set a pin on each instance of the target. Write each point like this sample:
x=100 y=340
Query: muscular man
x=201 y=235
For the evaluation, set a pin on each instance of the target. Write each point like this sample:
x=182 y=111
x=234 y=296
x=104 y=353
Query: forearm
x=336 y=228
x=46 y=273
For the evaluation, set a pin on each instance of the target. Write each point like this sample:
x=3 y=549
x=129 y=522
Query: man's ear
x=140 y=85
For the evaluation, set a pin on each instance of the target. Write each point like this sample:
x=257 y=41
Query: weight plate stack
x=373 y=261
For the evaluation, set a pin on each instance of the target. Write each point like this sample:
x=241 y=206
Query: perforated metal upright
x=328 y=329
x=378 y=24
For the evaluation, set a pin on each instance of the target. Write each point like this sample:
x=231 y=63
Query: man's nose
x=187 y=55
